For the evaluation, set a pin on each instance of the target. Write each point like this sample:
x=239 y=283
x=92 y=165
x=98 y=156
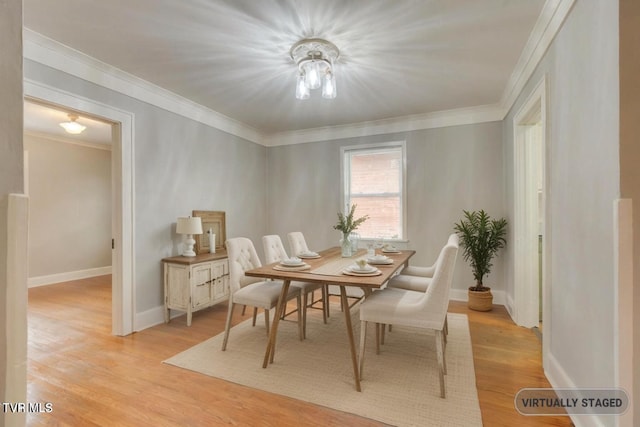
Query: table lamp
x=189 y=226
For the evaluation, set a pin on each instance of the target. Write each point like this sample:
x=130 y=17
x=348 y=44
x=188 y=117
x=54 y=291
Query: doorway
x=122 y=194
x=68 y=180
x=530 y=238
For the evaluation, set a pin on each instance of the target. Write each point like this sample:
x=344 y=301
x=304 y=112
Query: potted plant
x=346 y=224
x=480 y=238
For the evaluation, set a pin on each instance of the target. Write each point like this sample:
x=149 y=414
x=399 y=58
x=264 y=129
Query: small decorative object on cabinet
x=214 y=221
x=194 y=283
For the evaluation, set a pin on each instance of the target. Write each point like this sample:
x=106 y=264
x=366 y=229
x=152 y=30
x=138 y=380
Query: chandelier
x=72 y=126
x=315 y=59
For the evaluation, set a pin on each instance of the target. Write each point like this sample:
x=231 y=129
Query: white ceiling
x=41 y=119
x=398 y=57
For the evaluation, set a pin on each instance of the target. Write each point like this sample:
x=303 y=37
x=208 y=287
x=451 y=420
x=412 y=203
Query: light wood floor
x=96 y=379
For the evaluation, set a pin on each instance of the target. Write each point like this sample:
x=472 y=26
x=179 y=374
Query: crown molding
x=552 y=16
x=461 y=116
x=53 y=54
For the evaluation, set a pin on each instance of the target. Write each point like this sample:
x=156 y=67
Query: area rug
x=399 y=386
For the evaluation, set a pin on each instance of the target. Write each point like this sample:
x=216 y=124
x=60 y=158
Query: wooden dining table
x=328 y=269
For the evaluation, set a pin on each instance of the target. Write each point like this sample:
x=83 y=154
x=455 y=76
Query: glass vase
x=355 y=241
x=345 y=244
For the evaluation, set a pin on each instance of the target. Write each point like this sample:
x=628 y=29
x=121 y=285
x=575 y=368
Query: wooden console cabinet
x=194 y=283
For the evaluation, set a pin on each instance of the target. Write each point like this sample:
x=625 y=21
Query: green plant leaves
x=480 y=238
x=347 y=224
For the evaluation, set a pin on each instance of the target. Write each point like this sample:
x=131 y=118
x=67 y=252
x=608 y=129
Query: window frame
x=345 y=175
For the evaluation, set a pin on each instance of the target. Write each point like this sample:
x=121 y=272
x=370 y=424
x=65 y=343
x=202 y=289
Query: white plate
x=380 y=262
x=374 y=272
x=366 y=270
x=292 y=262
x=302 y=267
x=309 y=255
x=391 y=251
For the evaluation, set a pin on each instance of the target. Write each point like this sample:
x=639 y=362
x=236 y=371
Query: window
x=373 y=178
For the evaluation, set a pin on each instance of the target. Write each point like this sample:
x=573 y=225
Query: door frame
x=122 y=177
x=526 y=258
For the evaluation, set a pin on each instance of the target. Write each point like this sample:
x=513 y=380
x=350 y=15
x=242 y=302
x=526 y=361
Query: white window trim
x=403 y=190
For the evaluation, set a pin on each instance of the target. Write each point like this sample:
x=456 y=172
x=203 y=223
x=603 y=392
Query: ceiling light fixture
x=315 y=59
x=72 y=126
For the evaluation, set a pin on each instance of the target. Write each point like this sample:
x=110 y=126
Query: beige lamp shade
x=189 y=225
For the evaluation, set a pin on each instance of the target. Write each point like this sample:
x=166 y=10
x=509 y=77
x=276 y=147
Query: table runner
x=335 y=267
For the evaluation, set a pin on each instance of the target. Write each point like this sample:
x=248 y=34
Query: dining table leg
x=273 y=333
x=352 y=344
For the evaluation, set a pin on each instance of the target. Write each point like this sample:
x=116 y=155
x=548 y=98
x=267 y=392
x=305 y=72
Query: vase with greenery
x=346 y=224
x=481 y=237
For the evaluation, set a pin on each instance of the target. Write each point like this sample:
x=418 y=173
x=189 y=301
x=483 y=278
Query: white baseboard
x=510 y=306
x=558 y=378
x=148 y=318
x=499 y=297
x=33 y=282
x=556 y=375
x=152 y=317
x=458 y=295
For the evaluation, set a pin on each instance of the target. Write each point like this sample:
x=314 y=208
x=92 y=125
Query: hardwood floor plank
x=95 y=379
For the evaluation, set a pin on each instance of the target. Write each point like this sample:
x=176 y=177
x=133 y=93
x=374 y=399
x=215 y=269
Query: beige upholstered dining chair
x=425 y=310
x=253 y=291
x=415 y=278
x=297 y=243
x=274 y=252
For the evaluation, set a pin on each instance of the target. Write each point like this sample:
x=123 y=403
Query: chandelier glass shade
x=315 y=59
x=72 y=126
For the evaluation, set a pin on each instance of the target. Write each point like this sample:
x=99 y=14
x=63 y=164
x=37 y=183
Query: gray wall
x=180 y=165
x=582 y=184
x=448 y=170
x=70 y=206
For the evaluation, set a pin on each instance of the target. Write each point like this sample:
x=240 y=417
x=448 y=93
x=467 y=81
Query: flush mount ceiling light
x=315 y=59
x=72 y=126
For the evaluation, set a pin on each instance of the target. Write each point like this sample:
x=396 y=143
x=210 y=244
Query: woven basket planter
x=480 y=300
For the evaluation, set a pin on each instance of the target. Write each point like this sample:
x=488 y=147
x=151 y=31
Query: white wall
x=582 y=184
x=70 y=207
x=448 y=169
